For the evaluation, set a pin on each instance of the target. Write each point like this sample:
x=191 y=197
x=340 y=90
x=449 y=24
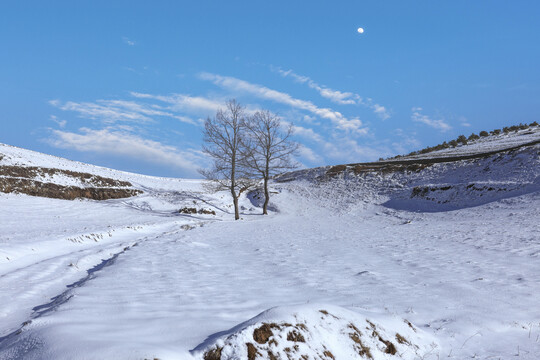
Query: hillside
x=426 y=258
x=28 y=172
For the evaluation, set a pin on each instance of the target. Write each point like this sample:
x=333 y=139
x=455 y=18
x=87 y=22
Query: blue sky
x=127 y=84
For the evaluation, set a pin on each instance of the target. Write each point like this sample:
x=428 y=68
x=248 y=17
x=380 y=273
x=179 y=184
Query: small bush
x=473 y=136
x=533 y=124
x=452 y=143
x=495 y=132
x=462 y=139
x=484 y=133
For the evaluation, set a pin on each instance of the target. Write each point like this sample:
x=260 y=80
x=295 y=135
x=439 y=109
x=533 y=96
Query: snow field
x=460 y=276
x=467 y=279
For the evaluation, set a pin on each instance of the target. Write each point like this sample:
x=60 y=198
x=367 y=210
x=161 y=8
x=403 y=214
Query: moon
x=360 y=30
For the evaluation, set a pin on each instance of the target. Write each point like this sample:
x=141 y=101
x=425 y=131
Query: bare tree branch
x=223 y=142
x=267 y=151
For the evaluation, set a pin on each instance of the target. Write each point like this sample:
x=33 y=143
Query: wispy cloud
x=307 y=133
x=181 y=102
x=122 y=143
x=339 y=97
x=128 y=41
x=464 y=122
x=438 y=124
x=407 y=142
x=263 y=92
x=60 y=123
x=346 y=149
x=336 y=96
x=112 y=111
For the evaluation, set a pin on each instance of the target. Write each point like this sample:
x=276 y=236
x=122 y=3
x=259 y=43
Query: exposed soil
x=251 y=351
x=262 y=334
x=295 y=336
x=32 y=172
x=192 y=210
x=390 y=347
x=22 y=180
x=356 y=336
x=49 y=190
x=214 y=354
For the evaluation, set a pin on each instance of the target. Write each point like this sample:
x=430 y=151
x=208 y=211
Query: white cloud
x=381 y=111
x=310 y=155
x=180 y=102
x=265 y=93
x=120 y=143
x=336 y=96
x=128 y=41
x=307 y=133
x=112 y=111
x=106 y=113
x=438 y=124
x=407 y=142
x=342 y=98
x=348 y=150
x=464 y=121
x=60 y=123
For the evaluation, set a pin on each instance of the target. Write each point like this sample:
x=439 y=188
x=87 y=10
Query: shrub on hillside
x=484 y=133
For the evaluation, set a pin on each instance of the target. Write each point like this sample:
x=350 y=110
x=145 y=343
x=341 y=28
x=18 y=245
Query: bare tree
x=268 y=149
x=223 y=141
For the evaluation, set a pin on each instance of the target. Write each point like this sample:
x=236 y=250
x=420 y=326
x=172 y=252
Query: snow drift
x=318 y=332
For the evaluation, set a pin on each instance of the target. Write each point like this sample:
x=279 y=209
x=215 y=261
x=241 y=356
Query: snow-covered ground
x=147 y=282
x=486 y=144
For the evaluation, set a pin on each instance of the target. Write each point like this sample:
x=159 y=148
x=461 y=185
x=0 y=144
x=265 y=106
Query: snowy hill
x=416 y=259
x=490 y=169
x=32 y=173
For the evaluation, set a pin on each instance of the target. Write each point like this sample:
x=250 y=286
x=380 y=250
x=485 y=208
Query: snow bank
x=318 y=332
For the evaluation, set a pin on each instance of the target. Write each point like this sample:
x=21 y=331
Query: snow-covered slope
x=436 y=182
x=427 y=252
x=483 y=145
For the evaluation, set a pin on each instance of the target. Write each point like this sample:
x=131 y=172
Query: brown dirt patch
x=336 y=170
x=324 y=312
x=410 y=325
x=400 y=339
x=328 y=355
x=390 y=347
x=30 y=172
x=192 y=210
x=22 y=179
x=295 y=336
x=356 y=336
x=49 y=190
x=262 y=334
x=214 y=354
x=251 y=351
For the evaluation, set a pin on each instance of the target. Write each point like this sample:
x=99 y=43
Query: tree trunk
x=236 y=211
x=233 y=184
x=266 y=196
